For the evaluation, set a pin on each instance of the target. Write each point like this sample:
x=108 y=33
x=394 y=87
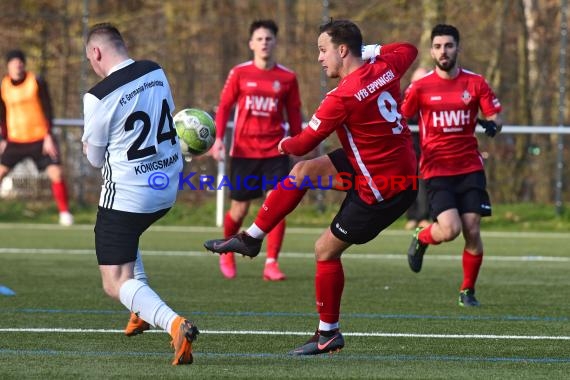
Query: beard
x=446 y=66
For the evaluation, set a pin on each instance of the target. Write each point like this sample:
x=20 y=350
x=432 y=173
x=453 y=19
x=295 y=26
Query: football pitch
x=397 y=324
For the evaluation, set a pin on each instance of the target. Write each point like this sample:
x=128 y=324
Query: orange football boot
x=136 y=325
x=183 y=333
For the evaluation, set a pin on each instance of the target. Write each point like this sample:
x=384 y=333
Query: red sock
x=231 y=227
x=275 y=240
x=425 y=236
x=329 y=284
x=278 y=204
x=60 y=195
x=471 y=266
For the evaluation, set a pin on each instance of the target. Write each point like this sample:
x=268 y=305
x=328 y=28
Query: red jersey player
x=364 y=111
x=448 y=100
x=262 y=90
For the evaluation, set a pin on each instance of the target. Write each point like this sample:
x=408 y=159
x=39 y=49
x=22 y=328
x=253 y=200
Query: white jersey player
x=128 y=121
x=129 y=117
x=129 y=133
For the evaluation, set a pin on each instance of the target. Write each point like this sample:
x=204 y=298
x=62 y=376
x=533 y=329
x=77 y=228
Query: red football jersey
x=447 y=118
x=364 y=111
x=260 y=96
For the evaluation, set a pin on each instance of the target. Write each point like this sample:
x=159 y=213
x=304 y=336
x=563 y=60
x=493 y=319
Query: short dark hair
x=109 y=30
x=267 y=24
x=445 y=30
x=344 y=32
x=16 y=53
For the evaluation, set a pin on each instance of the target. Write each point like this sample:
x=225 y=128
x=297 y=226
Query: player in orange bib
x=25 y=120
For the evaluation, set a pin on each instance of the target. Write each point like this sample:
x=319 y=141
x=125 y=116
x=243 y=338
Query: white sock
x=255 y=232
x=324 y=326
x=270 y=260
x=139 y=298
x=139 y=272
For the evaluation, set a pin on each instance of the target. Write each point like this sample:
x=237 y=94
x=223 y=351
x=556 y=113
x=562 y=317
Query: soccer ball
x=196 y=130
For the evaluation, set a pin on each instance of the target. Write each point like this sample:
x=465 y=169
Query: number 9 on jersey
x=196 y=130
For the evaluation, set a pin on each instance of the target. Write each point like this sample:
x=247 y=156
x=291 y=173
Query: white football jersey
x=130 y=113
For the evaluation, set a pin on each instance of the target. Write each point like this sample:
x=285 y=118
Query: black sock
x=329 y=333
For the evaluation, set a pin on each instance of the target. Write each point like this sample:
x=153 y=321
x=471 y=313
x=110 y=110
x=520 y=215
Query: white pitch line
x=302 y=255
x=290 y=230
x=301 y=333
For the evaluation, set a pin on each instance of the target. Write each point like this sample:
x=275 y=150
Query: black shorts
x=117 y=234
x=16 y=152
x=464 y=192
x=252 y=177
x=358 y=222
